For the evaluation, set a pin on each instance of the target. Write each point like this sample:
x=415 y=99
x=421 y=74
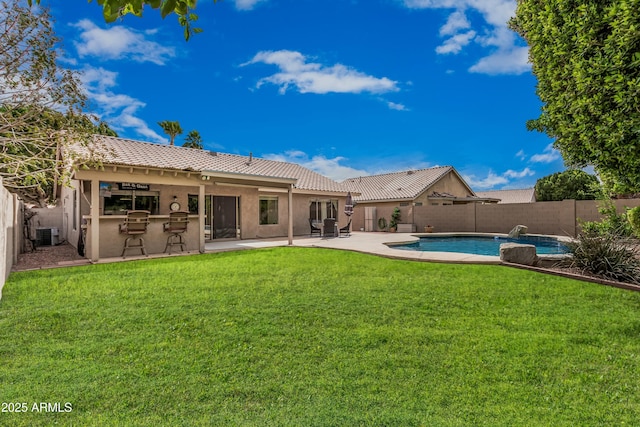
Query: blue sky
x=344 y=87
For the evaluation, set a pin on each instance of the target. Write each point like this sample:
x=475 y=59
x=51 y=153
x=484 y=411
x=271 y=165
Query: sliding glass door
x=221 y=217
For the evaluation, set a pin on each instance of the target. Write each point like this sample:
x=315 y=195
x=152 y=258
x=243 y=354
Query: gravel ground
x=49 y=256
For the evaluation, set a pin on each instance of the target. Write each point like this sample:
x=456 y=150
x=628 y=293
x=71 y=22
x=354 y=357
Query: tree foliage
x=112 y=10
x=570 y=184
x=193 y=140
x=586 y=57
x=172 y=129
x=40 y=105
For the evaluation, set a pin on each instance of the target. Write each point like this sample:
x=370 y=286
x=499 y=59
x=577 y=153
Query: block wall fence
x=554 y=218
x=10 y=232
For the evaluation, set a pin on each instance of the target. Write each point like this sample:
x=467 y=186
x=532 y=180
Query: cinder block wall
x=555 y=218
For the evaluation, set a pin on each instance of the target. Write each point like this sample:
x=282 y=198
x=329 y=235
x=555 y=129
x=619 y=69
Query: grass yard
x=313 y=337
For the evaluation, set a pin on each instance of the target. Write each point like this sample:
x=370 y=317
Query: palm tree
x=193 y=140
x=171 y=128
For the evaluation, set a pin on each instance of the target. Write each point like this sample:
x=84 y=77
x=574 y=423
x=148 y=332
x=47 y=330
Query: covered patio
x=226 y=197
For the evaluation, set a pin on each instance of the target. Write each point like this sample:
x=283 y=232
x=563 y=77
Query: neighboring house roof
x=523 y=195
x=406 y=185
x=127 y=152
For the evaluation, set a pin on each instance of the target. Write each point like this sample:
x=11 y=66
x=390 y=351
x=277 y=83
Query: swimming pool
x=482 y=245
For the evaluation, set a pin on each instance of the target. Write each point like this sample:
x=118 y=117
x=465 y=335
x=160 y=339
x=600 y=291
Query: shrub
x=395 y=218
x=607 y=256
x=633 y=215
x=612 y=223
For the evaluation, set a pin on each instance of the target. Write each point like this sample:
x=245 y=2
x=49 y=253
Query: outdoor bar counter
x=112 y=241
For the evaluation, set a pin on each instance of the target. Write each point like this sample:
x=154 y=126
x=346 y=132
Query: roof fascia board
x=138 y=175
x=244 y=176
x=323 y=193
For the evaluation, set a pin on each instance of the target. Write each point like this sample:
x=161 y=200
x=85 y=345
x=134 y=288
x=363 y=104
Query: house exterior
x=523 y=195
x=380 y=194
x=227 y=196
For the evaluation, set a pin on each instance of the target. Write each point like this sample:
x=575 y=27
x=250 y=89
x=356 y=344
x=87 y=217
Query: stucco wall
x=9 y=233
x=450 y=183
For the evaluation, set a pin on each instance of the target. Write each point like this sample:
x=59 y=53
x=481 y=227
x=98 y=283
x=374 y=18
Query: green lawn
x=313 y=337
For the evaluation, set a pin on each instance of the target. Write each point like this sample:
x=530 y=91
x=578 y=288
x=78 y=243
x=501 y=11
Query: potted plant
x=395 y=218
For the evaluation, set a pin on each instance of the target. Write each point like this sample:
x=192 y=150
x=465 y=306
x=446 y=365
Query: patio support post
x=201 y=217
x=290 y=230
x=95 y=220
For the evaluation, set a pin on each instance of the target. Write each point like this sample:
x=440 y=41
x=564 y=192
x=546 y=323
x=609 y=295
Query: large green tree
x=586 y=57
x=40 y=105
x=571 y=184
x=183 y=9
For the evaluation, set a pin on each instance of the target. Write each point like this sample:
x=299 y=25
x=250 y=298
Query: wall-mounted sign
x=133 y=186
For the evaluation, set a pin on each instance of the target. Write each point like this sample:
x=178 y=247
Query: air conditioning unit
x=47 y=236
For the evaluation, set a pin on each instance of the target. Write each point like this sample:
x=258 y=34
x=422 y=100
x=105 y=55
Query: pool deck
x=372 y=243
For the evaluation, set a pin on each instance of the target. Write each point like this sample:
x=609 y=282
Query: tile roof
x=127 y=152
x=396 y=186
x=523 y=195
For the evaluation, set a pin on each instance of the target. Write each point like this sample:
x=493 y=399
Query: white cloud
x=549 y=155
x=247 y=4
x=311 y=77
x=483 y=183
x=506 y=55
x=398 y=107
x=508 y=61
x=329 y=167
x=456 y=43
x=522 y=174
x=456 y=21
x=118 y=42
x=119 y=110
x=493 y=180
x=521 y=155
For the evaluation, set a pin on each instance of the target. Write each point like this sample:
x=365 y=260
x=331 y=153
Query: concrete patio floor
x=372 y=243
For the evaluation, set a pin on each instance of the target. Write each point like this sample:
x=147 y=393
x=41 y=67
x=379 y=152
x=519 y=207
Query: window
x=193 y=204
x=321 y=209
x=268 y=210
x=403 y=204
x=120 y=201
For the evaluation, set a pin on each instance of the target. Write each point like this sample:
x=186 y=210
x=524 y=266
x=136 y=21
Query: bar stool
x=135 y=225
x=176 y=226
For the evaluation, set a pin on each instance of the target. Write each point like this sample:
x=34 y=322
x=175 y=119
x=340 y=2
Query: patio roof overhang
x=242 y=179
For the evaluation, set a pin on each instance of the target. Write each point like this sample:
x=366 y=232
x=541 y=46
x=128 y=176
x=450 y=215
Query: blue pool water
x=483 y=245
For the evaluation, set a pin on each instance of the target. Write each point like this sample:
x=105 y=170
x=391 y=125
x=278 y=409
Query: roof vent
x=250 y=159
x=213 y=153
x=410 y=172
